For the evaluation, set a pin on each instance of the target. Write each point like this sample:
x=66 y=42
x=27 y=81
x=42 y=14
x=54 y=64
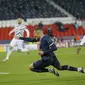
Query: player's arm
x=27 y=31
x=11 y=32
x=29 y=39
x=52 y=47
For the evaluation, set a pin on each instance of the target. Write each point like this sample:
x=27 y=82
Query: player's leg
x=72 y=68
x=21 y=47
x=40 y=66
x=78 y=49
x=12 y=44
x=81 y=43
x=57 y=65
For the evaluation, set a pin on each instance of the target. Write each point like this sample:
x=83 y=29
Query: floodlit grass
x=18 y=64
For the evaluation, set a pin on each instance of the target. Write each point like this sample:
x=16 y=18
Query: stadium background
x=67 y=20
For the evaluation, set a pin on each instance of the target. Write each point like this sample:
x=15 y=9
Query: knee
x=10 y=48
x=31 y=67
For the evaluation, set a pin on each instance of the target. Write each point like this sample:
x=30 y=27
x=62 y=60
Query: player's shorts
x=17 y=43
x=44 y=63
x=82 y=41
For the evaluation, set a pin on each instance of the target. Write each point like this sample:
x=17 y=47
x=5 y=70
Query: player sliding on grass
x=48 y=57
x=81 y=44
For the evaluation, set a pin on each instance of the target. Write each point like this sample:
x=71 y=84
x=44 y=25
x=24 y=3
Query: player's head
x=19 y=20
x=50 y=32
x=38 y=33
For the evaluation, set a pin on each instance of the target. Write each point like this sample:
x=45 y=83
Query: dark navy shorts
x=44 y=63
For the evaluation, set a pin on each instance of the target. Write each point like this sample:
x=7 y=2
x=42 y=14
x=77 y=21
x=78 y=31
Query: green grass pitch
x=18 y=64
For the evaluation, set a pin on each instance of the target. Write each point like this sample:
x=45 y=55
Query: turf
x=18 y=64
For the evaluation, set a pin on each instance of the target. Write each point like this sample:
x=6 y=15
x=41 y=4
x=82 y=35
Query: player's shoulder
x=15 y=25
x=46 y=37
x=23 y=25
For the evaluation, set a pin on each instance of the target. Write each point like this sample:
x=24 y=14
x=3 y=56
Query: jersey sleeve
x=24 y=27
x=29 y=39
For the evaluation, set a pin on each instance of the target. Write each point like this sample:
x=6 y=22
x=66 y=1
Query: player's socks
x=5 y=60
x=70 y=68
x=8 y=54
x=78 y=50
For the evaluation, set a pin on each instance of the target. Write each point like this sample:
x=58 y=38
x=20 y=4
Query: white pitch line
x=5 y=73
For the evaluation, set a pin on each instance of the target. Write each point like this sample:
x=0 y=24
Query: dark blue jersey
x=48 y=46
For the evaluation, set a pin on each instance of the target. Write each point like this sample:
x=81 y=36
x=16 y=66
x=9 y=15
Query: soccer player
x=19 y=32
x=48 y=57
x=81 y=44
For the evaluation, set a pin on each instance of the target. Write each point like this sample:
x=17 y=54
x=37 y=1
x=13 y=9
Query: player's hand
x=41 y=53
x=9 y=34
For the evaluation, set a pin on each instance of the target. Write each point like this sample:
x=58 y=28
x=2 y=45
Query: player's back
x=45 y=45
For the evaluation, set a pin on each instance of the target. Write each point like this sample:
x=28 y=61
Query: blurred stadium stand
x=11 y=9
x=75 y=7
x=71 y=31
x=35 y=9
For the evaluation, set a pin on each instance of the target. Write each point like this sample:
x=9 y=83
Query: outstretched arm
x=29 y=39
x=27 y=31
x=11 y=32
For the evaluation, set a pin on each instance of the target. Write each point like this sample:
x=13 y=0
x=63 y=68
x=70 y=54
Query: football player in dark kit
x=48 y=57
